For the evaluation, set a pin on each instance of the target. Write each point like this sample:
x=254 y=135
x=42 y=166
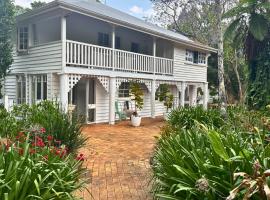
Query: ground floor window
x=39 y=88
x=123 y=91
x=21 y=89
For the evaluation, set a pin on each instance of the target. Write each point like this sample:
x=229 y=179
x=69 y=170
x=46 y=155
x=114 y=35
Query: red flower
x=80 y=157
x=43 y=130
x=38 y=142
x=50 y=137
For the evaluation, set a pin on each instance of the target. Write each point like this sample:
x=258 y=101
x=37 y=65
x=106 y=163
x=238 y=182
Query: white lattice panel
x=104 y=81
x=73 y=79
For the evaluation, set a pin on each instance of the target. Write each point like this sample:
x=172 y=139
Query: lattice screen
x=105 y=82
x=73 y=79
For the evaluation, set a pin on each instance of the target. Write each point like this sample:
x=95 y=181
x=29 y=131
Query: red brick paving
x=118 y=160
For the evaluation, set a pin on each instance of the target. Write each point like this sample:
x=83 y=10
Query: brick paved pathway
x=118 y=160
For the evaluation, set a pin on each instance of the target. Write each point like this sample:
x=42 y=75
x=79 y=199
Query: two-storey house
x=85 y=53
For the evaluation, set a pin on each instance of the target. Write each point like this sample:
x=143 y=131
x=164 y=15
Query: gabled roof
x=105 y=12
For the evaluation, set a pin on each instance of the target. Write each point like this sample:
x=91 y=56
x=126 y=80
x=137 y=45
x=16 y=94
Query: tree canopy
x=7 y=13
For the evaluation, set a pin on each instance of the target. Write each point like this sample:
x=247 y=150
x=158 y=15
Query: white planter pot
x=135 y=121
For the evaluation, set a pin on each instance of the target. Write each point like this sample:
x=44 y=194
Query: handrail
x=94 y=56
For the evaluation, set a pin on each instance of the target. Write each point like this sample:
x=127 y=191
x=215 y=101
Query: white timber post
x=64 y=91
x=205 y=96
x=154 y=54
x=30 y=35
x=153 y=98
x=26 y=89
x=183 y=92
x=30 y=80
x=193 y=95
x=113 y=46
x=6 y=103
x=112 y=100
x=64 y=40
x=87 y=99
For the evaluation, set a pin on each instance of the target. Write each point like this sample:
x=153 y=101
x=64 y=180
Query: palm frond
x=258 y=26
x=232 y=30
x=237 y=11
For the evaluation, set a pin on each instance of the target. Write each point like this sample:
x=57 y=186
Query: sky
x=137 y=8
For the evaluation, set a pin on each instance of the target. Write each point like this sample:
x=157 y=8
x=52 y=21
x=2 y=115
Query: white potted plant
x=164 y=95
x=136 y=93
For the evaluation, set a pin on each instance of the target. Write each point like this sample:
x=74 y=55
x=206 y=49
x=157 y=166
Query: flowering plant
x=37 y=166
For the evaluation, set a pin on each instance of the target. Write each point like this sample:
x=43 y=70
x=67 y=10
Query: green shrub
x=199 y=154
x=188 y=116
x=8 y=124
x=61 y=125
x=33 y=168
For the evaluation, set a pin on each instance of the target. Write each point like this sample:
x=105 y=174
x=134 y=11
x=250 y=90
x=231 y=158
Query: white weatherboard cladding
x=41 y=59
x=10 y=87
x=184 y=71
x=102 y=104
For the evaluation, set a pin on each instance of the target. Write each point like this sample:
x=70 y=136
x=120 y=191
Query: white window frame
x=39 y=79
x=202 y=58
x=189 y=56
x=124 y=92
x=21 y=85
x=23 y=37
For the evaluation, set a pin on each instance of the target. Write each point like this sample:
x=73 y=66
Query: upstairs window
x=135 y=47
x=21 y=89
x=39 y=88
x=189 y=56
x=103 y=39
x=202 y=58
x=195 y=57
x=23 y=38
x=123 y=91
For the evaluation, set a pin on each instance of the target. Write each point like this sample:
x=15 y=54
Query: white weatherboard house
x=85 y=53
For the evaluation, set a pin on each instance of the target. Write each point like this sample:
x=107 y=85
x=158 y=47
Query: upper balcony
x=90 y=43
x=97 y=57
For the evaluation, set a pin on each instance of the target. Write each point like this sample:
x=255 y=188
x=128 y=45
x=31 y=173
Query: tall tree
x=200 y=20
x=221 y=86
x=250 y=27
x=37 y=4
x=7 y=13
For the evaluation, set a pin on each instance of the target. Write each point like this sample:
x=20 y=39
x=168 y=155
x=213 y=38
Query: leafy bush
x=32 y=167
x=61 y=125
x=187 y=117
x=213 y=159
x=8 y=124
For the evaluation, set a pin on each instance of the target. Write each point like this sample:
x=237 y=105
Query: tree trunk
x=235 y=68
x=222 y=91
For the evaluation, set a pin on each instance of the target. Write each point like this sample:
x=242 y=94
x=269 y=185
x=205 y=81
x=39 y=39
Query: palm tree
x=250 y=26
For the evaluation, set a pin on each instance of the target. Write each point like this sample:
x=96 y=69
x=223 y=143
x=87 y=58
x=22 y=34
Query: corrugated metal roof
x=109 y=12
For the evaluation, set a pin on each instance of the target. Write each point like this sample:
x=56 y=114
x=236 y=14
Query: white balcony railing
x=93 y=56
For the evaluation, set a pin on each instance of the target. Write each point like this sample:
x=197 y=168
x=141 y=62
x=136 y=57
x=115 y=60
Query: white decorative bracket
x=73 y=79
x=104 y=81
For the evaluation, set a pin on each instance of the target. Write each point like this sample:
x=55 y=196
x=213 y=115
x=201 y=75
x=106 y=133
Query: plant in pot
x=136 y=93
x=164 y=95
